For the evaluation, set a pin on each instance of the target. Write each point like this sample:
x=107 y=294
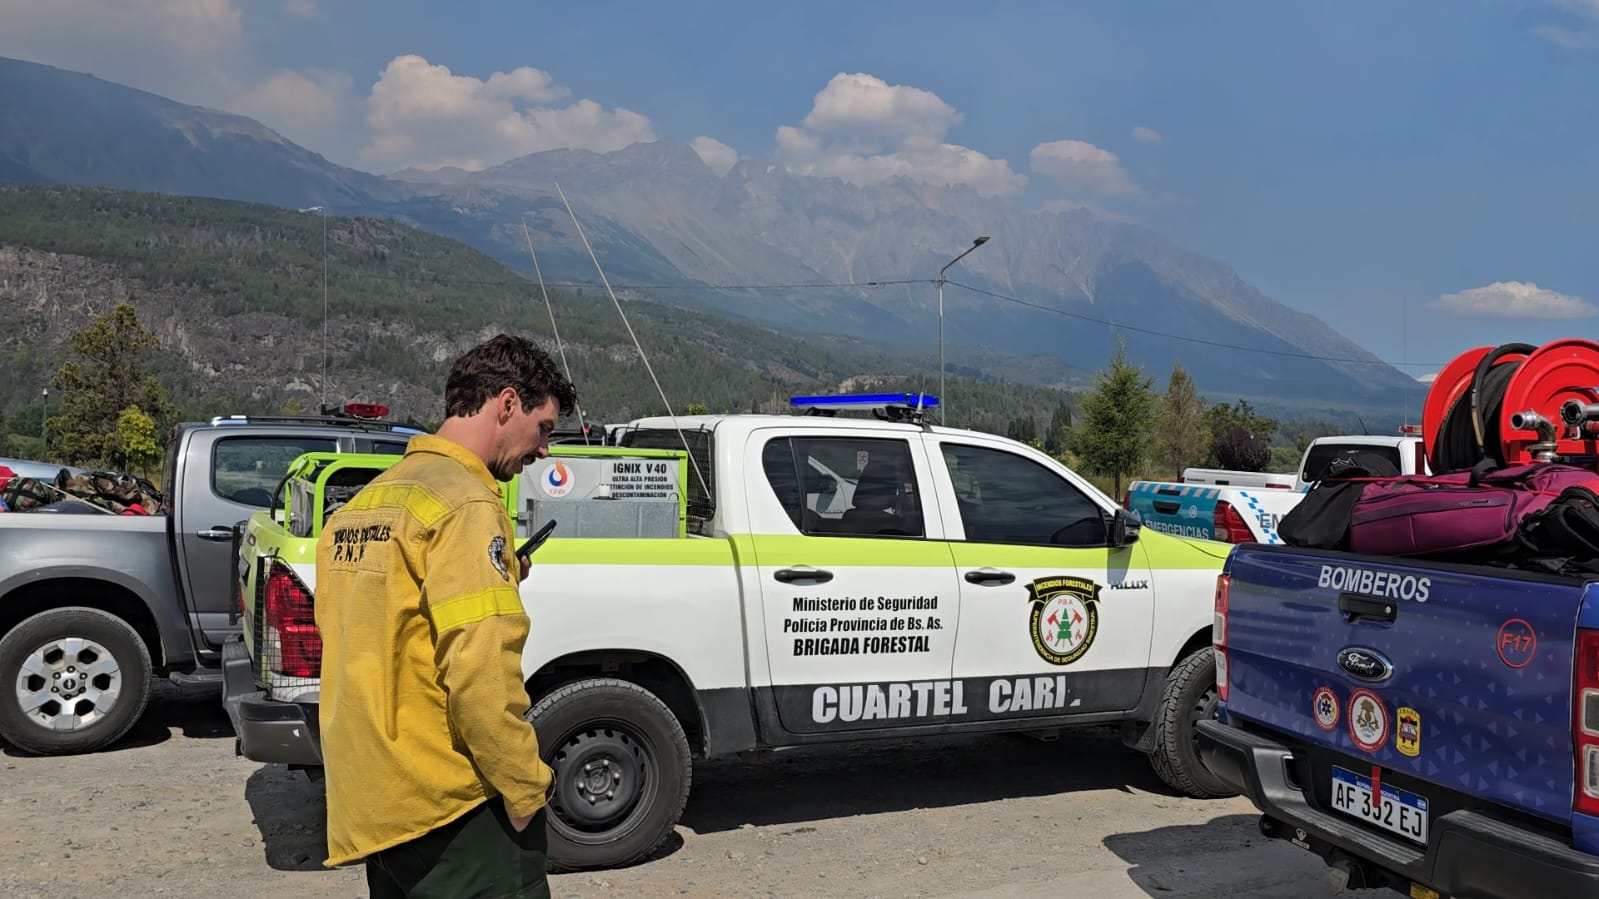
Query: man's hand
x=520 y=824
x=526 y=564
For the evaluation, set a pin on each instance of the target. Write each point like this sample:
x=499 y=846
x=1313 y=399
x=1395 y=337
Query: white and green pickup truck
x=790 y=579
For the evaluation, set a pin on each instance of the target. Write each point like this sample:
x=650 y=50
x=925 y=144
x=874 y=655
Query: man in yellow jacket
x=433 y=775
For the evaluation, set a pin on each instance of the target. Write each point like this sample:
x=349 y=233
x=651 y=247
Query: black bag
x=1321 y=519
x=1564 y=535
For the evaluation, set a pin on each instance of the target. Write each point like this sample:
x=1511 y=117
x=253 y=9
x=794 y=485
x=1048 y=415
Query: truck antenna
x=559 y=348
x=647 y=367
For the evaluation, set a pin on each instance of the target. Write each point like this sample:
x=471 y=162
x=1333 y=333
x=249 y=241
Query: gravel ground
x=172 y=811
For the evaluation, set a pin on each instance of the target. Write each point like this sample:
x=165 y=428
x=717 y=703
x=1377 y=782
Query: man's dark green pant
x=478 y=855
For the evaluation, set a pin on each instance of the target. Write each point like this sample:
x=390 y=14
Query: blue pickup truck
x=1426 y=727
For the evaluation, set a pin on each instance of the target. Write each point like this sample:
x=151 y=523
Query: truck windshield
x=1323 y=455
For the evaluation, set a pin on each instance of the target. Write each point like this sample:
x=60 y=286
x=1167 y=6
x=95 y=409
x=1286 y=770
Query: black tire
x=1190 y=697
x=38 y=638
x=637 y=748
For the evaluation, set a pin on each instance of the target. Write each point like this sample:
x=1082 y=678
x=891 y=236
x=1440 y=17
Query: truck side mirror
x=1124 y=527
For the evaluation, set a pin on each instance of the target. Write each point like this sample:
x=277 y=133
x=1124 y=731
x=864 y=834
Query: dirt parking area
x=172 y=811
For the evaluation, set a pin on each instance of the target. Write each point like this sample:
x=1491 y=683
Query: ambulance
x=729 y=584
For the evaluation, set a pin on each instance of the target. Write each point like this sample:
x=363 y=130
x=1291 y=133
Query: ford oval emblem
x=1365 y=664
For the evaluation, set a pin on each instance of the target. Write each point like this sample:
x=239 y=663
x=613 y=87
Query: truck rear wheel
x=72 y=680
x=1190 y=697
x=622 y=772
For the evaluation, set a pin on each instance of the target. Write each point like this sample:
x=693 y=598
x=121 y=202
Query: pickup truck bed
x=125 y=597
x=1410 y=722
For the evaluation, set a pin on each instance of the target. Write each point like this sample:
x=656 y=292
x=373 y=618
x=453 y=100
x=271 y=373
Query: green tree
x=109 y=374
x=5 y=436
x=1116 y=421
x=1184 y=436
x=1238 y=450
x=1022 y=429
x=698 y=409
x=1240 y=437
x=137 y=445
x=1060 y=426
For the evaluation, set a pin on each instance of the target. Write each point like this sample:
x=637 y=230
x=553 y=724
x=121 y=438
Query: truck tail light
x=1229 y=526
x=1218 y=632
x=1585 y=721
x=291 y=619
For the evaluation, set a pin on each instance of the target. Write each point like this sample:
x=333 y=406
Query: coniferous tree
x=1116 y=421
x=109 y=375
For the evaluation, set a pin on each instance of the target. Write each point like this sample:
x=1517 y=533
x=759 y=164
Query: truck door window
x=1005 y=498
x=246 y=470
x=845 y=486
x=1324 y=454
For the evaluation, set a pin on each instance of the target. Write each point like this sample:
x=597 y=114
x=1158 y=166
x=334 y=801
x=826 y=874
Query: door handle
x=990 y=576
x=802 y=573
x=1358 y=607
x=215 y=534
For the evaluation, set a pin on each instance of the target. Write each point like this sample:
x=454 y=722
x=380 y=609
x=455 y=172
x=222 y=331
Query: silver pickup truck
x=93 y=605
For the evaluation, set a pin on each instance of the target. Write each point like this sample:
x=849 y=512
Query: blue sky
x=1357 y=160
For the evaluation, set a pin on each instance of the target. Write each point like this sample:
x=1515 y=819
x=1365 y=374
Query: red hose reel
x=1515 y=403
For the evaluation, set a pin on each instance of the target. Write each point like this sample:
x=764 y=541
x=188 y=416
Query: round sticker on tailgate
x=1325 y=703
x=1368 y=720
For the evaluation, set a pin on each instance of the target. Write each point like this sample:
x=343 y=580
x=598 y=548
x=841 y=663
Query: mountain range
x=760 y=244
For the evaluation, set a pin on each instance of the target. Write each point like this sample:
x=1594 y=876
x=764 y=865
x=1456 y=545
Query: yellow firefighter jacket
x=422 y=630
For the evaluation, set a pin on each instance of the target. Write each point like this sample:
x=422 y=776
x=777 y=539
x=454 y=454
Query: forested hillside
x=234 y=293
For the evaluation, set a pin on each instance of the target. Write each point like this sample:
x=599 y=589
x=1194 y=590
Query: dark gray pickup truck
x=93 y=605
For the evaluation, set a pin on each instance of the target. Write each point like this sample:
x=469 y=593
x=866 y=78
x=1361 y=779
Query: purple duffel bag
x=1465 y=510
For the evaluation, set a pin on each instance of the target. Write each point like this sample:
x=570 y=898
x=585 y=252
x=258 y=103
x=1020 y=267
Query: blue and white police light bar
x=856 y=401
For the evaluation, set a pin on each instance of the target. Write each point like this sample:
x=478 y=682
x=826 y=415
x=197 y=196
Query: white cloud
x=862 y=104
x=189 y=25
x=422 y=114
x=524 y=83
x=1514 y=299
x=1083 y=167
x=864 y=130
x=719 y=156
x=290 y=100
x=1147 y=135
x=183 y=49
x=305 y=9
x=1581 y=32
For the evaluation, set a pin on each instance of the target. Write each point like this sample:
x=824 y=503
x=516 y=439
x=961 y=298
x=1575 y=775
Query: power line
x=1183 y=337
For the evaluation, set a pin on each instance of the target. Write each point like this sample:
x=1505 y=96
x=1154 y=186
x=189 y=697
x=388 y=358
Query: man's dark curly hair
x=501 y=362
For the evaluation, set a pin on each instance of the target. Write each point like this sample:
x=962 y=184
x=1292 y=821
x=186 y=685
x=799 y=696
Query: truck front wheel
x=72 y=680
x=622 y=772
x=1190 y=697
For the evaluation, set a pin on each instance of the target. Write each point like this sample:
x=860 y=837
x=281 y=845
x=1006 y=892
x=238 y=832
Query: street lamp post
x=324 y=211
x=44 y=424
x=943 y=401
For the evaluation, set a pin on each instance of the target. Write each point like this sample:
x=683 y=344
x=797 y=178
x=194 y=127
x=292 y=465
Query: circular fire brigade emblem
x=1325 y=703
x=557 y=480
x=1368 y=720
x=1065 y=617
